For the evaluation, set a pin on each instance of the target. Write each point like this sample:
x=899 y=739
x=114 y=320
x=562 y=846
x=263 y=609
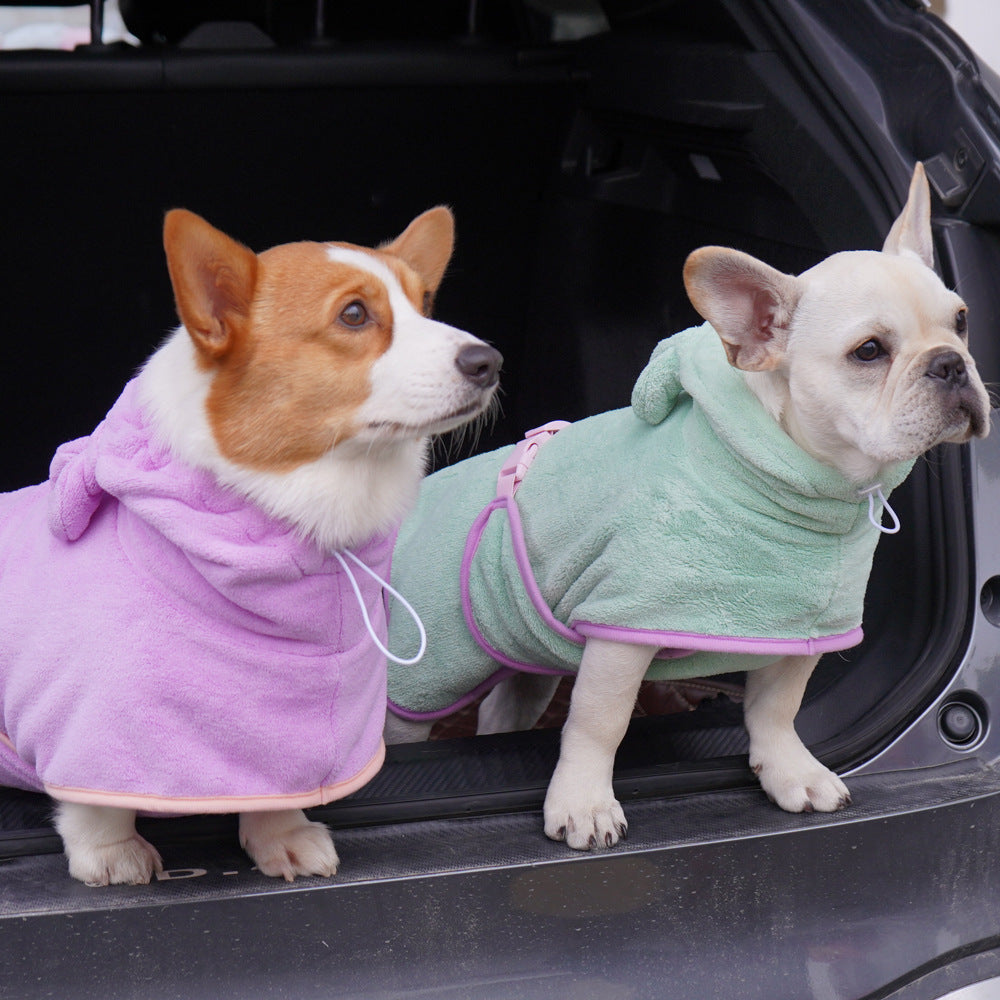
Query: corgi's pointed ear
x=749 y=304
x=213 y=278
x=426 y=244
x=911 y=232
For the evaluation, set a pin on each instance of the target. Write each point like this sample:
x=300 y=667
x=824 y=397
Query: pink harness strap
x=523 y=455
x=511 y=474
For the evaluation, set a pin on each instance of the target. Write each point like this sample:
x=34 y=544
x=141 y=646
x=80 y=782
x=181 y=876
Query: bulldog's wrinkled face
x=878 y=361
x=864 y=358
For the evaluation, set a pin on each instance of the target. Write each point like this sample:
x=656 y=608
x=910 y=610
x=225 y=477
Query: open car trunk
x=582 y=172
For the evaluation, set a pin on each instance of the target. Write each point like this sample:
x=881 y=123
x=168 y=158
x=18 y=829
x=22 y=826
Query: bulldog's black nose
x=949 y=366
x=480 y=364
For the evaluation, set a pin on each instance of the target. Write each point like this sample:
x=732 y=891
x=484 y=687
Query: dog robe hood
x=690 y=521
x=167 y=647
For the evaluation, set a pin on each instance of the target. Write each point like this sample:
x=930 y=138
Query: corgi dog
x=193 y=605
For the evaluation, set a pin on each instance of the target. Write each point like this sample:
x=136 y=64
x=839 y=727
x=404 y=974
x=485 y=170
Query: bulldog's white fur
x=863 y=361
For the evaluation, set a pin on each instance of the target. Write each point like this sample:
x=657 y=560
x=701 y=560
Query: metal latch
x=953 y=173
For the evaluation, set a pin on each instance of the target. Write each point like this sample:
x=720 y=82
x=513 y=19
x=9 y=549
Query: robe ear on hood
x=76 y=494
x=658 y=387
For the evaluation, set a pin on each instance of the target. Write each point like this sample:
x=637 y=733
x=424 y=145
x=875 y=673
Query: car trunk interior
x=581 y=173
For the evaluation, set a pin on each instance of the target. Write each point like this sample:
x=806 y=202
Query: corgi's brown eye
x=354 y=315
x=870 y=350
x=962 y=322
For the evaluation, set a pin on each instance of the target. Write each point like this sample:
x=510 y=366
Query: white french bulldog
x=863 y=362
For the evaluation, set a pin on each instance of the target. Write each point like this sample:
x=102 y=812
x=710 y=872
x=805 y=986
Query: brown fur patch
x=290 y=387
x=213 y=277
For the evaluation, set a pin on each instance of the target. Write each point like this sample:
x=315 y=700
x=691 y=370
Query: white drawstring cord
x=876 y=491
x=364 y=611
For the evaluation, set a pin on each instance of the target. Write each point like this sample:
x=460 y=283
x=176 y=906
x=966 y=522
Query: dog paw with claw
x=286 y=844
x=800 y=783
x=129 y=862
x=584 y=825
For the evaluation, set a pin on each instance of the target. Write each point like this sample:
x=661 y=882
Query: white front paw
x=287 y=844
x=584 y=821
x=129 y=862
x=797 y=782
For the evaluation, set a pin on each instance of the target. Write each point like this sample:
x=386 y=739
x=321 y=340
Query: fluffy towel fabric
x=165 y=646
x=690 y=521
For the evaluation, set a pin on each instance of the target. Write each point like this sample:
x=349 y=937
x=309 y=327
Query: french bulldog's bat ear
x=749 y=303
x=911 y=232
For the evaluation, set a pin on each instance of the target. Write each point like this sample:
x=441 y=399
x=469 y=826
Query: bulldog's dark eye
x=870 y=350
x=354 y=315
x=962 y=322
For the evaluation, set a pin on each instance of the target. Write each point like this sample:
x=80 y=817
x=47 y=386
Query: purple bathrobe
x=166 y=647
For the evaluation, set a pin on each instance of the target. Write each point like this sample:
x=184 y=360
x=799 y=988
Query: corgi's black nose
x=480 y=364
x=949 y=366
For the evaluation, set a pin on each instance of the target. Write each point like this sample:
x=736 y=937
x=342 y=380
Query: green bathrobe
x=689 y=521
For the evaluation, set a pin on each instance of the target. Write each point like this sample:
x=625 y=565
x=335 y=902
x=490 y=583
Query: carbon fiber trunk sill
x=485 y=775
x=205 y=871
